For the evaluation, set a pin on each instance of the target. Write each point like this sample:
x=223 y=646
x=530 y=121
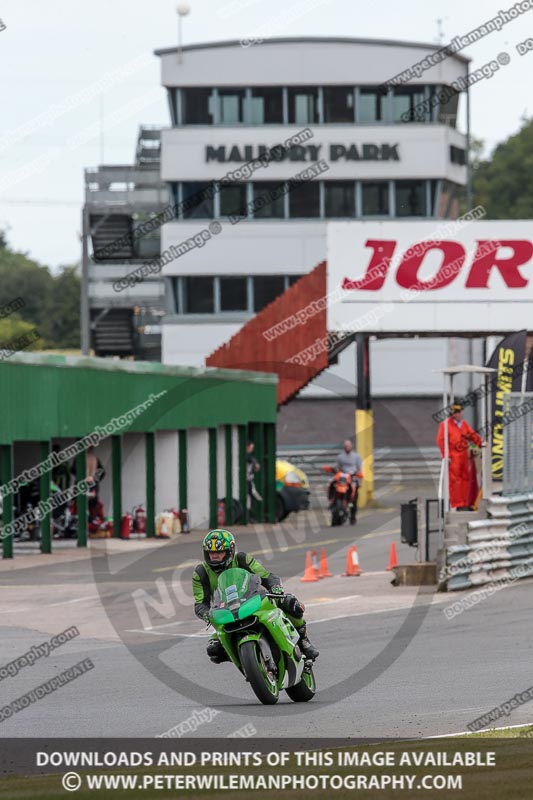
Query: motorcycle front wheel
x=264 y=686
x=336 y=513
x=305 y=690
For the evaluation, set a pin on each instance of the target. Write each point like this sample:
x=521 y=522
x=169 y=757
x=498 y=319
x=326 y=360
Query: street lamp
x=182 y=10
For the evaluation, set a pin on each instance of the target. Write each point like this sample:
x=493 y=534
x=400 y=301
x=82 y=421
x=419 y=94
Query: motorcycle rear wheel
x=265 y=689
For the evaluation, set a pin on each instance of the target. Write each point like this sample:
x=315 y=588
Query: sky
x=79 y=77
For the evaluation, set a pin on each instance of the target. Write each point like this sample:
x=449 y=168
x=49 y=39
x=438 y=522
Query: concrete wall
x=133 y=471
x=189 y=344
x=198 y=477
x=398 y=421
x=166 y=470
x=303 y=61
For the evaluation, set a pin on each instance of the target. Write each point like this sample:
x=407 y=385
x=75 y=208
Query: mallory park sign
x=310 y=152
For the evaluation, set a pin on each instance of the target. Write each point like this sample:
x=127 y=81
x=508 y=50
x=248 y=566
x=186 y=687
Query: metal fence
x=517 y=442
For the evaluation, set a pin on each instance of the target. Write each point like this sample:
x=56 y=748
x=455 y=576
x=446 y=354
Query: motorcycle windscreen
x=234 y=586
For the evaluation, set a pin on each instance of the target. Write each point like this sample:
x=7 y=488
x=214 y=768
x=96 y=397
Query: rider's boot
x=305 y=645
x=216 y=652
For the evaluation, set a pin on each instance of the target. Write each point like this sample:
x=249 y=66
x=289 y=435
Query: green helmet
x=219 y=541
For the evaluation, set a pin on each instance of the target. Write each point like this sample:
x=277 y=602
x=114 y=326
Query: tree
x=63 y=310
x=502 y=183
x=22 y=277
x=51 y=302
x=13 y=332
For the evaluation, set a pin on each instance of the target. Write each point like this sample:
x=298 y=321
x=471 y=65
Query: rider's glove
x=292 y=606
x=277 y=590
x=296 y=608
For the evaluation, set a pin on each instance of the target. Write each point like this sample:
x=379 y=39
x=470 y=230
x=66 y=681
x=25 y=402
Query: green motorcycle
x=260 y=639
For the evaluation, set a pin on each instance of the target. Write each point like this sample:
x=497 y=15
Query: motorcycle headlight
x=250 y=606
x=222 y=616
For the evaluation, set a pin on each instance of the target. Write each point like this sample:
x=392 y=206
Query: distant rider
x=219 y=554
x=350 y=461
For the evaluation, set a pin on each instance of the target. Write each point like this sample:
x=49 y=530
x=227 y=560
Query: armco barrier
x=495 y=546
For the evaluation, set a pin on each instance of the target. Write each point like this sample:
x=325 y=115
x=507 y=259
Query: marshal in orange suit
x=459 y=435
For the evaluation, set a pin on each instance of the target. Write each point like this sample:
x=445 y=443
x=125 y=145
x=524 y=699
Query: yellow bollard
x=364 y=444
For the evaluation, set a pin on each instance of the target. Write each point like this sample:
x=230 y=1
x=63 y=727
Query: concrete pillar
x=221 y=463
x=6 y=475
x=116 y=478
x=182 y=469
x=44 y=495
x=105 y=491
x=242 y=433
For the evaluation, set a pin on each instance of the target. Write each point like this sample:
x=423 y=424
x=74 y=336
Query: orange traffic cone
x=309 y=572
x=324 y=572
x=393 y=558
x=352 y=563
x=314 y=560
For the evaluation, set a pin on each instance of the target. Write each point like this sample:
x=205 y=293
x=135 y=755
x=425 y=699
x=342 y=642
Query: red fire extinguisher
x=140 y=520
x=184 y=519
x=125 y=526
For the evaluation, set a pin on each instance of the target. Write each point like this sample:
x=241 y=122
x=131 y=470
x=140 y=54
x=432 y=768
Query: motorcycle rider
x=350 y=461
x=219 y=554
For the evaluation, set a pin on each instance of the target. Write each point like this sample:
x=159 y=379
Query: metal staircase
x=106 y=229
x=113 y=333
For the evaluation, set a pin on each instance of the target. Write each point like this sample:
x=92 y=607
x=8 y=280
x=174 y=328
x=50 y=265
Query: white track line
x=49 y=605
x=309 y=622
x=74 y=600
x=335 y=600
x=479 y=733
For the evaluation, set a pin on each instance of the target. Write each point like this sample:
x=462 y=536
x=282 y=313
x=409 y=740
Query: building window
x=198 y=295
x=408 y=104
x=457 y=155
x=371 y=104
x=197 y=200
x=434 y=190
x=231 y=106
x=450 y=198
x=447 y=110
x=172 y=95
x=338 y=104
x=266 y=106
x=266 y=289
x=340 y=198
x=269 y=200
x=197 y=106
x=411 y=198
x=303 y=105
x=175 y=284
x=233 y=200
x=304 y=200
x=375 y=198
x=233 y=293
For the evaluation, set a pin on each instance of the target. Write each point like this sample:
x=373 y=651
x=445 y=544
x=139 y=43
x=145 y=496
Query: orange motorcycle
x=341 y=494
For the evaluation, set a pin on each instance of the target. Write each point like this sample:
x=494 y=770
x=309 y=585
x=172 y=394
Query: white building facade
x=392 y=153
